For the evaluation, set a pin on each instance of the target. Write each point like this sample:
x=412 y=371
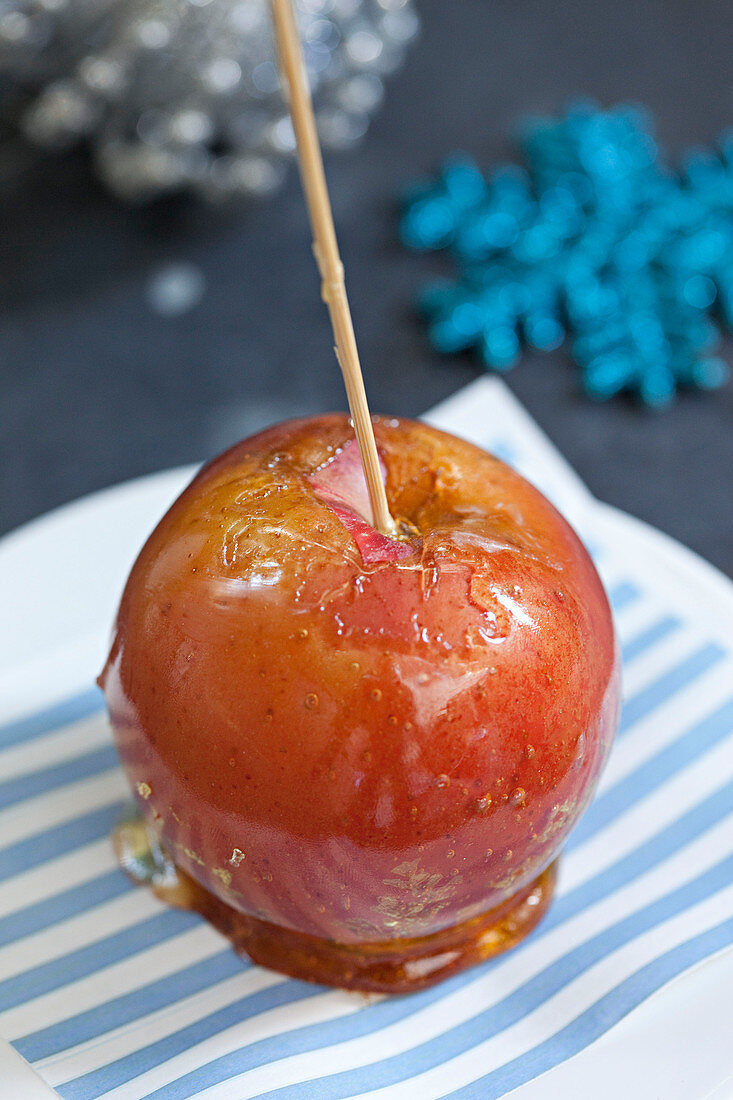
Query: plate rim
x=617 y=523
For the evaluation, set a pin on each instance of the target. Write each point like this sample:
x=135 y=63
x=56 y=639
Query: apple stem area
x=325 y=249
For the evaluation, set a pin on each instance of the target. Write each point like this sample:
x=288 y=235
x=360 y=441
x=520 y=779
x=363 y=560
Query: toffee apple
x=365 y=750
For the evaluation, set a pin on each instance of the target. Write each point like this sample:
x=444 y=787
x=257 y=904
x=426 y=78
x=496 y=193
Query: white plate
x=60 y=579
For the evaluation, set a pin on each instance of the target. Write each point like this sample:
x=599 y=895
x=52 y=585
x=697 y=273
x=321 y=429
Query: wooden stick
x=325 y=248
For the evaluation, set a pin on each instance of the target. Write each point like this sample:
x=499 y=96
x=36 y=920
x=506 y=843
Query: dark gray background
x=96 y=388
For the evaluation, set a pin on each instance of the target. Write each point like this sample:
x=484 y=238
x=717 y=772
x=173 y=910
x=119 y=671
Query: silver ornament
x=185 y=94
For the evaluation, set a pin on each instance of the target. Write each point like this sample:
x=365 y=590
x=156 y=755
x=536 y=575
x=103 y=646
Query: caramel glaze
x=402 y=965
x=365 y=752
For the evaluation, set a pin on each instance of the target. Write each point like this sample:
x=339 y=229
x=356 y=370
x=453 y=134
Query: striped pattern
x=109 y=994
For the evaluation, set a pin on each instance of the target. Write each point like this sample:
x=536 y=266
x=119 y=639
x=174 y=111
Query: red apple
x=355 y=740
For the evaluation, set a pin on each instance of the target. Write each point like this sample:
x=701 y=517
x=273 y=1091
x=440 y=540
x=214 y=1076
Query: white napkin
x=107 y=993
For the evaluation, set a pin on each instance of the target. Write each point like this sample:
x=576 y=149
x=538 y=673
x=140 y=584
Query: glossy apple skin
x=362 y=750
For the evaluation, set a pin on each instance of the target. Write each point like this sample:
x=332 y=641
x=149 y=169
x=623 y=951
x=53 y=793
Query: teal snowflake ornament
x=597 y=240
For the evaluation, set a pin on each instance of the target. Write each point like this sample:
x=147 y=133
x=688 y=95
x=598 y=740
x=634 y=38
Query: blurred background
x=149 y=319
